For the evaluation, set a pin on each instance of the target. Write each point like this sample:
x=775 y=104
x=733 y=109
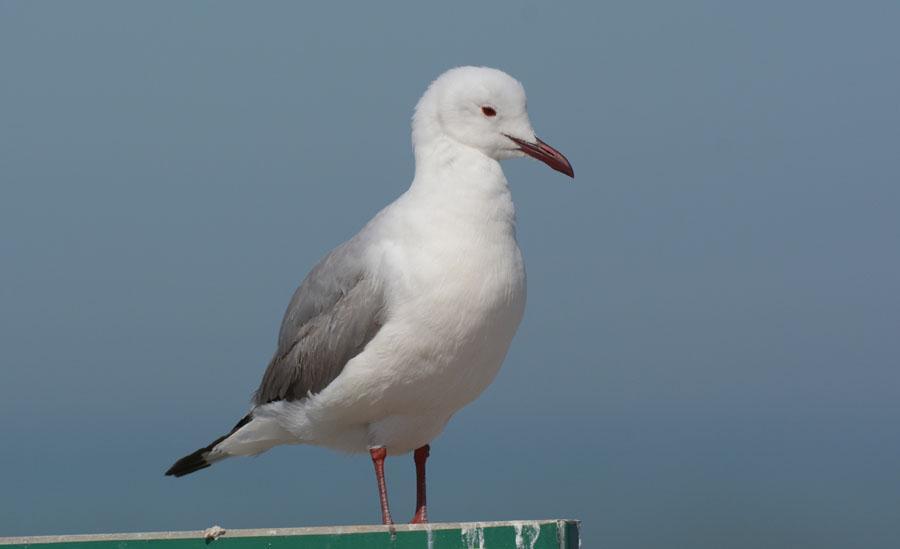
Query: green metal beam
x=538 y=534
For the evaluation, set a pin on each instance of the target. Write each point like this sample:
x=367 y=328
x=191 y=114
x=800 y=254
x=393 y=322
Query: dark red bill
x=546 y=154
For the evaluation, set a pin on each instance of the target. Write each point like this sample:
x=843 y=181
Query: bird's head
x=484 y=109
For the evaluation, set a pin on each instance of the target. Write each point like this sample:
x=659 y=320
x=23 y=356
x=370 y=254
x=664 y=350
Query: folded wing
x=334 y=313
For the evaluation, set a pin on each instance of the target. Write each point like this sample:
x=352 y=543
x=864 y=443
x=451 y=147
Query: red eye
x=489 y=111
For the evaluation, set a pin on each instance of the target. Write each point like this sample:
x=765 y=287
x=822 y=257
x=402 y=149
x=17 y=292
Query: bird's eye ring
x=489 y=111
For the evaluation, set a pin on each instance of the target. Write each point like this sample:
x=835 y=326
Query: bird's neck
x=461 y=181
x=443 y=162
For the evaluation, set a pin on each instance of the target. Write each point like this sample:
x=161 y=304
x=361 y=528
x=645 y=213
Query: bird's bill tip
x=546 y=154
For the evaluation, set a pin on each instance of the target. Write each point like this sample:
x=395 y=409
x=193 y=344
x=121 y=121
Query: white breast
x=457 y=283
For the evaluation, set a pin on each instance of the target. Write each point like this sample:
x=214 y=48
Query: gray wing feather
x=334 y=313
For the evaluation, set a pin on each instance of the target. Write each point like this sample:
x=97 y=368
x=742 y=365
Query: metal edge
x=563 y=527
x=263 y=532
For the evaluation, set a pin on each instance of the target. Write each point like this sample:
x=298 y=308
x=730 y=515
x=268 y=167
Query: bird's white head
x=484 y=109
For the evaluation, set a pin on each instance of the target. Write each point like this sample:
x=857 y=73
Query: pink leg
x=420 y=456
x=378 y=455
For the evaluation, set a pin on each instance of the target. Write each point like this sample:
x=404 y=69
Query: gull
x=396 y=329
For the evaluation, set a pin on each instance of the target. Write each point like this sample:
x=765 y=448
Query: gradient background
x=710 y=352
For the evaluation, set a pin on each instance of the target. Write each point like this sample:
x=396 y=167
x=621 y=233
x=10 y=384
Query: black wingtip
x=189 y=464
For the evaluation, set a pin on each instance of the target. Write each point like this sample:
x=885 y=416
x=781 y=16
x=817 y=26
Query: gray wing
x=334 y=313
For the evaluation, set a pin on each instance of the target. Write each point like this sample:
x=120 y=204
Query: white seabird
x=408 y=321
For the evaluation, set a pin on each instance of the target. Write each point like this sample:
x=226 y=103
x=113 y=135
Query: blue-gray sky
x=710 y=352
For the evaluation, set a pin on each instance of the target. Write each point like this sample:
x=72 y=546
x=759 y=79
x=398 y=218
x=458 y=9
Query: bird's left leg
x=420 y=456
x=378 y=454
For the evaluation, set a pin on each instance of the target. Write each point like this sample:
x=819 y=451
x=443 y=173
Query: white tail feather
x=257 y=436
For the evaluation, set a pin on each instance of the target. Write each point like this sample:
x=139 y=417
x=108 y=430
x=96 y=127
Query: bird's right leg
x=378 y=454
x=420 y=456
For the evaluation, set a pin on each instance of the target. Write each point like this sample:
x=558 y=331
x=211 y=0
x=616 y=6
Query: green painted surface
x=551 y=534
